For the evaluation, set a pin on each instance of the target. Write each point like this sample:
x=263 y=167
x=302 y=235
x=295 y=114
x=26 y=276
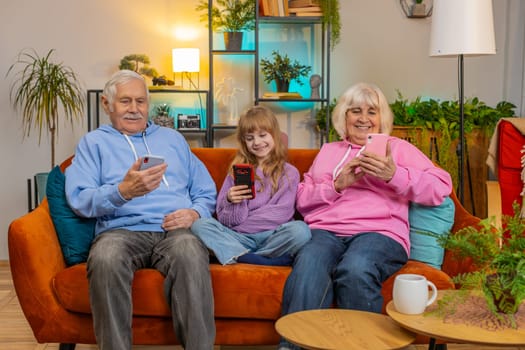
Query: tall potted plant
x=283 y=70
x=232 y=17
x=41 y=90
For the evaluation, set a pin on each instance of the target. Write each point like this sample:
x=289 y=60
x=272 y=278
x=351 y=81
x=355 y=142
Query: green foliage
x=138 y=63
x=162 y=109
x=442 y=118
x=499 y=257
x=320 y=119
x=41 y=87
x=229 y=15
x=281 y=67
x=331 y=16
x=436 y=115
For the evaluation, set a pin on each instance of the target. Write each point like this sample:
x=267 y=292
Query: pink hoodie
x=370 y=205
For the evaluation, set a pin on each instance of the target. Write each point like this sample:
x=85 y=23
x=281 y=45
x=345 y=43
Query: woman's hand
x=380 y=167
x=237 y=194
x=349 y=174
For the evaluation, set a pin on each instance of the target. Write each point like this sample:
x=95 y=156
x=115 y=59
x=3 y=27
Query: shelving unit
x=306 y=39
x=180 y=102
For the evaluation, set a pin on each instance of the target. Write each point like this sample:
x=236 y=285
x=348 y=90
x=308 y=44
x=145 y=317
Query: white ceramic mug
x=411 y=295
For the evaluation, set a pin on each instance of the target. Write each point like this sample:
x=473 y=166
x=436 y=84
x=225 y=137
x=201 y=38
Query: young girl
x=257 y=230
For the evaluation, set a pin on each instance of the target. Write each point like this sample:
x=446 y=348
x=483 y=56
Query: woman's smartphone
x=150 y=160
x=376 y=143
x=243 y=175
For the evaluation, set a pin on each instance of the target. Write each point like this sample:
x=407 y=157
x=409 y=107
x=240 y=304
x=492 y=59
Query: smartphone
x=150 y=160
x=243 y=174
x=376 y=143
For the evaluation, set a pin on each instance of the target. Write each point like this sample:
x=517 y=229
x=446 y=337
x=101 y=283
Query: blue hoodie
x=101 y=161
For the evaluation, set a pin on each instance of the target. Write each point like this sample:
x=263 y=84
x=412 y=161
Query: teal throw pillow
x=435 y=219
x=74 y=232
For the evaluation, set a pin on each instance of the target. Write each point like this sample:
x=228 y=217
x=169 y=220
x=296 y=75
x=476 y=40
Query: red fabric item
x=510 y=143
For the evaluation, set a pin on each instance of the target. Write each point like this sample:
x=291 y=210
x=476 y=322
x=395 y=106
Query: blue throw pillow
x=435 y=219
x=74 y=232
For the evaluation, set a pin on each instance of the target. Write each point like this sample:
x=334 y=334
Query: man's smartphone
x=243 y=174
x=376 y=143
x=150 y=160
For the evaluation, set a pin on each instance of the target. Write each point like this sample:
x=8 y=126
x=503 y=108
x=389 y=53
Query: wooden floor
x=15 y=333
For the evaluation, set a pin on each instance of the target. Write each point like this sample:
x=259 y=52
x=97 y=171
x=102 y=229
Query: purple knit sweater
x=266 y=211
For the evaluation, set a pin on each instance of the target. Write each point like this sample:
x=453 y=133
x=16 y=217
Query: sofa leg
x=67 y=346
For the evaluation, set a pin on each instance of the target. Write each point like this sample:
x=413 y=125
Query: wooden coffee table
x=434 y=327
x=338 y=329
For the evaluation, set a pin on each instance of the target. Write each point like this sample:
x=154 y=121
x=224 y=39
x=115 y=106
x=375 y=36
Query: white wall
x=379 y=44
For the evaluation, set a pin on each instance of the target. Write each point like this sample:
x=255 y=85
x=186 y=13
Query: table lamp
x=186 y=61
x=462 y=28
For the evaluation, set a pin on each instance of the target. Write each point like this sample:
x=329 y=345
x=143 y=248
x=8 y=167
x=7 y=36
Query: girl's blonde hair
x=261 y=118
x=356 y=95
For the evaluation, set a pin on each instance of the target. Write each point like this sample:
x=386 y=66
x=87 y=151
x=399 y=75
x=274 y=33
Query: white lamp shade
x=462 y=27
x=185 y=60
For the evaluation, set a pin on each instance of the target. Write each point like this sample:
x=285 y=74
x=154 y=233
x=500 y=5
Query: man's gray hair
x=121 y=77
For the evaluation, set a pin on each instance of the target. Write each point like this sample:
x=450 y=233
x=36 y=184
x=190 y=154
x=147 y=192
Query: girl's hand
x=380 y=167
x=237 y=194
x=349 y=174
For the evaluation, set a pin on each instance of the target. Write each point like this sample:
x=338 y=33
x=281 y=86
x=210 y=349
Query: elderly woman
x=356 y=204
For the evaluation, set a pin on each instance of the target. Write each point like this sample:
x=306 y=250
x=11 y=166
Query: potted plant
x=433 y=125
x=283 y=70
x=499 y=256
x=42 y=89
x=162 y=116
x=231 y=17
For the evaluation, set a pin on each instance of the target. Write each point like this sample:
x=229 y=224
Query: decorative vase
x=233 y=41
x=282 y=85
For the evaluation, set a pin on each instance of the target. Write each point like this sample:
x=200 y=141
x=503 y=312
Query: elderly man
x=143 y=217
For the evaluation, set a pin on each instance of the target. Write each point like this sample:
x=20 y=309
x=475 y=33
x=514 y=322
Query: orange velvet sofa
x=54 y=298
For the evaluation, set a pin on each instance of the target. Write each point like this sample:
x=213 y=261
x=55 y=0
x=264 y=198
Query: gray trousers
x=180 y=256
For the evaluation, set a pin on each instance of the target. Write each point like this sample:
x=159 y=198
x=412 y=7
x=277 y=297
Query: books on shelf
x=276 y=8
x=306 y=14
x=282 y=95
x=312 y=11
x=302 y=3
x=305 y=9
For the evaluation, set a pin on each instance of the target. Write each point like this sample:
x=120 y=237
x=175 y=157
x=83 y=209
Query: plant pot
x=233 y=41
x=418 y=10
x=282 y=85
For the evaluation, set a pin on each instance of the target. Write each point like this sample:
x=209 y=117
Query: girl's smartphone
x=376 y=143
x=150 y=160
x=243 y=175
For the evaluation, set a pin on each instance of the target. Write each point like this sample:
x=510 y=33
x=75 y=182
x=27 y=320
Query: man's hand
x=137 y=182
x=181 y=218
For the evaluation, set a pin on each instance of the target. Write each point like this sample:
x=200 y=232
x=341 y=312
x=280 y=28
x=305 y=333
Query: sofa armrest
x=35 y=257
x=453 y=265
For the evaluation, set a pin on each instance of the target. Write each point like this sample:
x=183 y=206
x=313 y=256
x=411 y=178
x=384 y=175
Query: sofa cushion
x=239 y=290
x=432 y=219
x=74 y=233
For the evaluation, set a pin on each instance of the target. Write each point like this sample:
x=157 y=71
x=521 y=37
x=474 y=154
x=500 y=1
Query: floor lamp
x=462 y=28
